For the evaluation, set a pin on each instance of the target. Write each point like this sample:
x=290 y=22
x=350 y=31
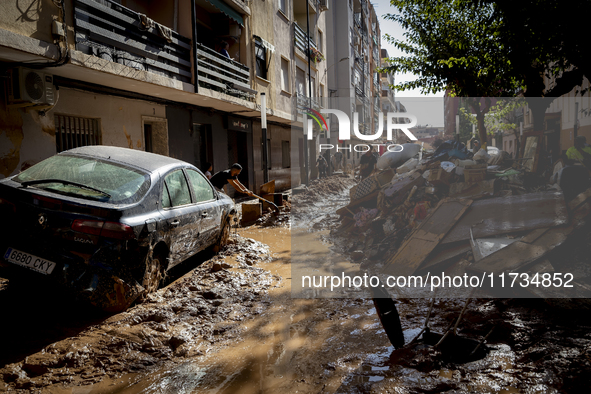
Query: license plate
x=28 y=260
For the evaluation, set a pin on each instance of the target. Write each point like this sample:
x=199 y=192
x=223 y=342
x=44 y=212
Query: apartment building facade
x=152 y=76
x=354 y=85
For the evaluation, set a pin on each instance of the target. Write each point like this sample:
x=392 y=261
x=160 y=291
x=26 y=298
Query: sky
x=427 y=108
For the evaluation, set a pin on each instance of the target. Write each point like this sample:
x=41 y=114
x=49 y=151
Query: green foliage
x=500 y=116
x=451 y=45
x=492 y=48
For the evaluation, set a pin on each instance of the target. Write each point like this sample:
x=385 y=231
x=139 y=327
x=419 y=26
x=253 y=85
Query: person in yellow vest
x=580 y=152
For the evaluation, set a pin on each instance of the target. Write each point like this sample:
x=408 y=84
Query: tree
x=492 y=48
x=546 y=45
x=453 y=46
x=501 y=116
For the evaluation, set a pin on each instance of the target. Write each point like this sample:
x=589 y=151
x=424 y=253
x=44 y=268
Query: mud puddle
x=232 y=326
x=291 y=345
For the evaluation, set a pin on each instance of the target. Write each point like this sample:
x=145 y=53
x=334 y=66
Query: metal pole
x=194 y=32
x=264 y=137
x=575 y=128
x=306 y=164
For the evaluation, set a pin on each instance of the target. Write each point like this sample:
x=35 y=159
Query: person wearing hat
x=580 y=153
x=475 y=145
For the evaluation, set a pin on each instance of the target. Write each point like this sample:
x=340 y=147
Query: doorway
x=203 y=146
x=238 y=153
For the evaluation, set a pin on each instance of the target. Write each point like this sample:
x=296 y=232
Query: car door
x=209 y=211
x=178 y=211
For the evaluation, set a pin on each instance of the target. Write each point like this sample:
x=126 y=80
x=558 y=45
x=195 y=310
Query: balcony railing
x=303 y=103
x=217 y=72
x=121 y=35
x=357 y=20
x=359 y=91
x=116 y=33
x=301 y=39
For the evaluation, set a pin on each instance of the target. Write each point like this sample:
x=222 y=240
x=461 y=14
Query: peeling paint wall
x=27 y=137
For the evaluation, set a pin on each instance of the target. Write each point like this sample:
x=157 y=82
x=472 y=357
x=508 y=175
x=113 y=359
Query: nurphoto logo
x=344 y=130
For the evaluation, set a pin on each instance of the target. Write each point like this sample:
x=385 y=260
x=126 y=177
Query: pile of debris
x=323 y=187
x=457 y=212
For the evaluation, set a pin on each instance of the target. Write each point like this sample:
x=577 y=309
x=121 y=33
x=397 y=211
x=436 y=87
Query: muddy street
x=229 y=324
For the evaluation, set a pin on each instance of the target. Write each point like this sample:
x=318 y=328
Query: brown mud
x=231 y=325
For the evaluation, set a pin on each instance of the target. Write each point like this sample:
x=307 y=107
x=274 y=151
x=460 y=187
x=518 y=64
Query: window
x=313 y=83
x=300 y=82
x=73 y=132
x=110 y=182
x=261 y=58
x=320 y=40
x=201 y=188
x=285 y=75
x=285 y=154
x=283 y=6
x=176 y=191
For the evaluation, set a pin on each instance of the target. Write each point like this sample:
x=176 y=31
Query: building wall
x=30 y=136
x=31 y=18
x=283 y=41
x=509 y=141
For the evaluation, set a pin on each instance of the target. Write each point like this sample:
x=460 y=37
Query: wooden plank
x=533 y=235
x=210 y=69
x=426 y=237
x=579 y=199
x=130 y=30
x=521 y=254
x=227 y=78
x=117 y=40
x=82 y=4
x=445 y=254
x=268 y=188
x=203 y=52
x=177 y=71
x=348 y=209
x=203 y=78
x=503 y=215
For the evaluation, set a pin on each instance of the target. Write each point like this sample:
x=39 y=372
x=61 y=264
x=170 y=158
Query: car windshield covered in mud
x=108 y=221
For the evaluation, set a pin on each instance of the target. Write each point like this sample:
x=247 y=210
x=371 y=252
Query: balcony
x=301 y=39
x=303 y=103
x=118 y=34
x=217 y=72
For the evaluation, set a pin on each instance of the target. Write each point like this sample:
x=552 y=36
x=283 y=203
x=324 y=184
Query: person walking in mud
x=367 y=163
x=222 y=178
x=337 y=158
x=321 y=164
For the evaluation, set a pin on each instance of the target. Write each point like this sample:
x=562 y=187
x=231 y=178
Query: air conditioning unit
x=29 y=87
x=323 y=5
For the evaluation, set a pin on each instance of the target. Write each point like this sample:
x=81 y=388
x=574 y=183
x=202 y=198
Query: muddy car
x=108 y=222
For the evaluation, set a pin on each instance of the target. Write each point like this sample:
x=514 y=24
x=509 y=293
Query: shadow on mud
x=35 y=313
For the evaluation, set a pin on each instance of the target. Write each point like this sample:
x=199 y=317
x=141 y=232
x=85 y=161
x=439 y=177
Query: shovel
x=268 y=202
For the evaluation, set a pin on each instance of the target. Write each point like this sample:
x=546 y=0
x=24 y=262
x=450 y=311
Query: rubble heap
x=456 y=212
